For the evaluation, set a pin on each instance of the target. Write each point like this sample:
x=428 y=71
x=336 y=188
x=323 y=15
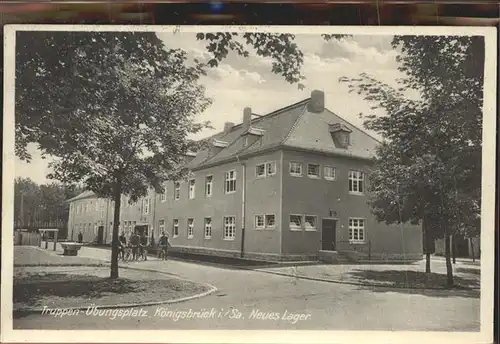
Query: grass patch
x=36 y=290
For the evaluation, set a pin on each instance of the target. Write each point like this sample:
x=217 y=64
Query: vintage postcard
x=248 y=184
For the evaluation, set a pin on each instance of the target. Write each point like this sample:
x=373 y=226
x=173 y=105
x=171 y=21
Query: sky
x=240 y=82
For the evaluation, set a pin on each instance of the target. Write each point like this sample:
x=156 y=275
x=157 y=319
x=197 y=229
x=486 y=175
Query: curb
x=362 y=284
x=211 y=290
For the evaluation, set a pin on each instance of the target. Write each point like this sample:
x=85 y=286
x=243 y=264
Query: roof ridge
x=293 y=126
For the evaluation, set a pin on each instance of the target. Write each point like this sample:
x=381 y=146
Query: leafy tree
x=115 y=109
x=430 y=165
x=27 y=199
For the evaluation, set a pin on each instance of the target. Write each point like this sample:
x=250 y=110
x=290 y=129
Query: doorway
x=141 y=229
x=328 y=234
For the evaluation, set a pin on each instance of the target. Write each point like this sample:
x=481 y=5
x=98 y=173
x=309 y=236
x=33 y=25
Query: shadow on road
x=471 y=271
x=415 y=279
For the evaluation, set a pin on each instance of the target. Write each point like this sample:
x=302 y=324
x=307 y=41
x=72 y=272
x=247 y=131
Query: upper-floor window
x=209 y=183
x=356 y=182
x=146 y=205
x=190 y=228
x=260 y=170
x=313 y=170
x=163 y=195
x=230 y=182
x=177 y=190
x=271 y=168
x=356 y=230
x=191 y=188
x=296 y=169
x=329 y=173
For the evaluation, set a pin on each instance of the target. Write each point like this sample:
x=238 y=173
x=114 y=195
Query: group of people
x=139 y=244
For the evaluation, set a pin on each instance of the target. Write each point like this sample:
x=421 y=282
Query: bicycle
x=142 y=254
x=163 y=253
x=126 y=255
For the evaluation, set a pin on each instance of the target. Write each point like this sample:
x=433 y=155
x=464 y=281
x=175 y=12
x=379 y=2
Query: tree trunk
x=427 y=247
x=116 y=225
x=449 y=267
x=472 y=249
x=454 y=248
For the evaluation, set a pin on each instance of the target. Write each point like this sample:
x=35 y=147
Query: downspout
x=154 y=217
x=243 y=208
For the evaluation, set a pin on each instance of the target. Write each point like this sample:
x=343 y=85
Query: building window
x=313 y=170
x=296 y=169
x=163 y=195
x=146 y=206
x=191 y=188
x=230 y=184
x=177 y=190
x=310 y=223
x=295 y=222
x=190 y=228
x=209 y=186
x=259 y=221
x=271 y=168
x=356 y=179
x=329 y=173
x=208 y=227
x=356 y=230
x=229 y=227
x=162 y=226
x=270 y=221
x=260 y=170
x=175 y=228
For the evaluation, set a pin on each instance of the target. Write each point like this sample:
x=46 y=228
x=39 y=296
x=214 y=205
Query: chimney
x=317 y=102
x=227 y=127
x=247 y=118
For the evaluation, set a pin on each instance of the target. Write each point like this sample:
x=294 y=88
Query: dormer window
x=340 y=135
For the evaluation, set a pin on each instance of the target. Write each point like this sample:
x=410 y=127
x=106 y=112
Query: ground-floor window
x=208 y=227
x=259 y=221
x=190 y=228
x=310 y=222
x=295 y=222
x=162 y=226
x=356 y=230
x=175 y=228
x=229 y=227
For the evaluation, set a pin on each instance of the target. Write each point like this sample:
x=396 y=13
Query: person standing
x=80 y=237
x=143 y=242
x=164 y=243
x=134 y=242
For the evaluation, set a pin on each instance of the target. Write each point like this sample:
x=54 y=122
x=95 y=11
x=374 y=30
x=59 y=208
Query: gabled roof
x=291 y=127
x=83 y=195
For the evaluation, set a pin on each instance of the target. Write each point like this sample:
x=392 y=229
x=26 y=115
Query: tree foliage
x=429 y=167
x=41 y=205
x=114 y=109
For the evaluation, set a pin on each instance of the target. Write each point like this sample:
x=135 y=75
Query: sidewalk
x=412 y=275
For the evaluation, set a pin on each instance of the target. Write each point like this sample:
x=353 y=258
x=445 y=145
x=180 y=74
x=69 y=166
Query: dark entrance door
x=140 y=229
x=100 y=235
x=328 y=235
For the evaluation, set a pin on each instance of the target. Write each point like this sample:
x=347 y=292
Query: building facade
x=288 y=185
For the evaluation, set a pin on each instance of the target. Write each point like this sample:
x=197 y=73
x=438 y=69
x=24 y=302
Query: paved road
x=322 y=306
